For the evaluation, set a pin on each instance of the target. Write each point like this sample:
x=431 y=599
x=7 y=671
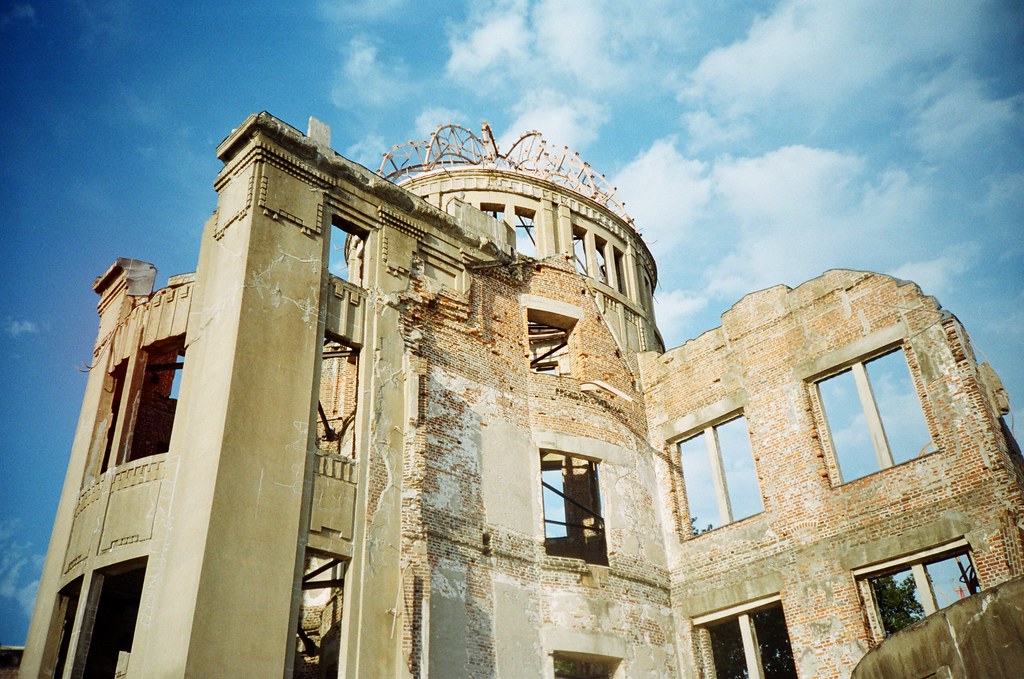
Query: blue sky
x=754 y=143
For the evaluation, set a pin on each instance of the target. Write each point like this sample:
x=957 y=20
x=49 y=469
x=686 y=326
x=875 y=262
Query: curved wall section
x=115 y=517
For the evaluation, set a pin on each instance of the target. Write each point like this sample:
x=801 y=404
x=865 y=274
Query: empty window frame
x=718 y=470
x=754 y=643
x=113 y=627
x=336 y=408
x=602 y=260
x=347 y=253
x=901 y=592
x=619 y=271
x=873 y=416
x=158 y=401
x=526 y=234
x=549 y=342
x=496 y=210
x=573 y=520
x=579 y=250
x=569 y=666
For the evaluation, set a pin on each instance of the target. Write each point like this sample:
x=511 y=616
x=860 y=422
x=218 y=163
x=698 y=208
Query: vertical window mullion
x=750 y=651
x=924 y=589
x=873 y=419
x=718 y=475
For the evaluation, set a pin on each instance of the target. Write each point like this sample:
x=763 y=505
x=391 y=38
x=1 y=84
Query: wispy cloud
x=367 y=80
x=561 y=120
x=16 y=562
x=578 y=48
x=939 y=275
x=956 y=114
x=18 y=12
x=17 y=327
x=666 y=193
x=814 y=57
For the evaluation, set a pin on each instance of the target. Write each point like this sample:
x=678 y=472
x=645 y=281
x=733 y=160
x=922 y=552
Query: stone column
x=220 y=591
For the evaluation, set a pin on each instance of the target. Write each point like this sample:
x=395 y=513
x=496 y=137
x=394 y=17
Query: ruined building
x=421 y=423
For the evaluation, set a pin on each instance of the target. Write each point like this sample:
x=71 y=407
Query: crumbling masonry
x=430 y=429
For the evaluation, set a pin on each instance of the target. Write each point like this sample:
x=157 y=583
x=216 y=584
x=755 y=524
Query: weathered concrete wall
x=428 y=503
x=981 y=636
x=814 y=529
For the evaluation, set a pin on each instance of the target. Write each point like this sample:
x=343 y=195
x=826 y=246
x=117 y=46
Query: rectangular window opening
x=720 y=477
x=579 y=250
x=347 y=252
x=548 y=335
x=526 y=234
x=115 y=387
x=339 y=390
x=496 y=210
x=570 y=666
x=602 y=262
x=158 y=401
x=619 y=269
x=67 y=609
x=904 y=595
x=873 y=415
x=573 y=521
x=752 y=644
x=113 y=628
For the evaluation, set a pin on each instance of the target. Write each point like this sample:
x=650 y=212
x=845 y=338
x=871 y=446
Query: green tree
x=896 y=597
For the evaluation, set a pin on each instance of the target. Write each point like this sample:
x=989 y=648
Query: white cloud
x=16 y=327
x=365 y=80
x=666 y=193
x=578 y=48
x=798 y=211
x=814 y=56
x=674 y=310
x=796 y=185
x=560 y=120
x=495 y=39
x=957 y=115
x=368 y=151
x=939 y=275
x=429 y=119
x=15 y=559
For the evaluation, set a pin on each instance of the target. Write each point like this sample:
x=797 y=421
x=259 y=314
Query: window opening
x=496 y=210
x=116 y=385
x=67 y=609
x=526 y=236
x=602 y=262
x=579 y=250
x=573 y=522
x=752 y=644
x=721 y=481
x=158 y=402
x=874 y=416
x=904 y=595
x=113 y=629
x=620 y=279
x=548 y=348
x=648 y=289
x=548 y=335
x=569 y=667
x=336 y=407
x=346 y=253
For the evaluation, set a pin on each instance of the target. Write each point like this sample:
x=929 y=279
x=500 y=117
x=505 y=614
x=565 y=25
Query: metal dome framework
x=452 y=146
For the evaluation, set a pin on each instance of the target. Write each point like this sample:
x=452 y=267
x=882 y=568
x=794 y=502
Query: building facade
x=421 y=423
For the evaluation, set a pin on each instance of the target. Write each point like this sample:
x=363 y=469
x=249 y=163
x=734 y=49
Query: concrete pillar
x=563 y=234
x=223 y=601
x=115 y=288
